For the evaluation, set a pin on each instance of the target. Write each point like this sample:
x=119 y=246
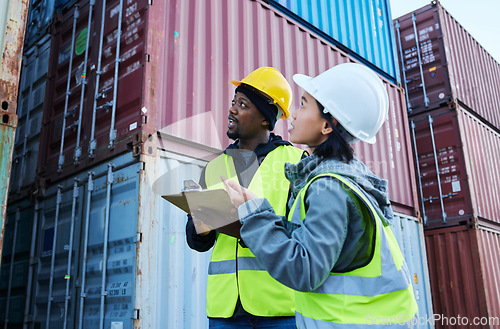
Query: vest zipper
x=236 y=271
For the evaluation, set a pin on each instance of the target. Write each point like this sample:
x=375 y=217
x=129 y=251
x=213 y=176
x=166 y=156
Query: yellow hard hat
x=272 y=83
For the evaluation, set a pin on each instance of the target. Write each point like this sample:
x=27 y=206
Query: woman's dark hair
x=335 y=146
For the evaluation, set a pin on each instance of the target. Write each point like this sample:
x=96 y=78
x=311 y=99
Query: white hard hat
x=353 y=94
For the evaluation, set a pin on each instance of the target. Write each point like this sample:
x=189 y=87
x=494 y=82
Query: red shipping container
x=465 y=152
x=69 y=122
x=464 y=267
x=183 y=55
x=446 y=63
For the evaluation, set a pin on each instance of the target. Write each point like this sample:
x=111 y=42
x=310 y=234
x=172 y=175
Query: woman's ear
x=326 y=128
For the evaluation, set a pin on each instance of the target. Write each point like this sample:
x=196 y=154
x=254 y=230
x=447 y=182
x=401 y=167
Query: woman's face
x=308 y=126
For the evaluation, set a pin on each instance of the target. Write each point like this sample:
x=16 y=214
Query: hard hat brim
x=236 y=83
x=303 y=81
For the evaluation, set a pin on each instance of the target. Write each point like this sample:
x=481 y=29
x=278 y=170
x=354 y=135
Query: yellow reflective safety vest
x=379 y=293
x=233 y=270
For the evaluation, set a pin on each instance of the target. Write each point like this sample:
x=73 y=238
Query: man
x=240 y=293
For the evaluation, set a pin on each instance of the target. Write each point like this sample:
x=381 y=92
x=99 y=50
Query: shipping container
x=464 y=269
x=441 y=61
x=30 y=107
x=95 y=92
x=15 y=262
x=457 y=159
x=363 y=28
x=178 y=82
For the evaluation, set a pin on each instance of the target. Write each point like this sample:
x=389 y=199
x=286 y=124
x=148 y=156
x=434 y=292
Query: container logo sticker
x=81 y=42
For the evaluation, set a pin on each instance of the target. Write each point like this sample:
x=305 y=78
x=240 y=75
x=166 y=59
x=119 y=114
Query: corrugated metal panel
x=202 y=52
x=51 y=277
x=464 y=267
x=451 y=63
x=31 y=98
x=474 y=73
x=489 y=248
x=455 y=274
x=363 y=27
x=481 y=147
x=409 y=233
x=467 y=153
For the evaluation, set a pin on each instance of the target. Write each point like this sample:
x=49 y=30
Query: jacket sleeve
x=196 y=241
x=303 y=259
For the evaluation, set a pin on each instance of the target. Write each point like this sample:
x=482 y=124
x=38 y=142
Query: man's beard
x=234 y=135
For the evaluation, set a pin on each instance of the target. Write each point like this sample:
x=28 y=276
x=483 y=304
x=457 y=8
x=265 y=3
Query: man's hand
x=200 y=227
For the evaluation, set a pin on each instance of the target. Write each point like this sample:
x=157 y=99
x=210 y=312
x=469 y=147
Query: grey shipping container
x=30 y=107
x=363 y=29
x=457 y=158
x=441 y=61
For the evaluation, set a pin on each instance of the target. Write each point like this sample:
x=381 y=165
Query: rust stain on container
x=11 y=41
x=8 y=125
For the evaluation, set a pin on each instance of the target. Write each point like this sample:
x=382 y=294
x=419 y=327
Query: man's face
x=245 y=120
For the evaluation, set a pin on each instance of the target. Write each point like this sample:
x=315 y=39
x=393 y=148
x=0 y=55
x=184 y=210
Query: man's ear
x=266 y=123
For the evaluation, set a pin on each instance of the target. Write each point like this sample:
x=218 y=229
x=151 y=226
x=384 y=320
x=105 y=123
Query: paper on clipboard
x=212 y=207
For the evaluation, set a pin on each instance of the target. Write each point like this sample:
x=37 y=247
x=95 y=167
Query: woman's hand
x=237 y=193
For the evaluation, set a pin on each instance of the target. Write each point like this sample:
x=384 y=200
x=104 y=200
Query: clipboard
x=213 y=207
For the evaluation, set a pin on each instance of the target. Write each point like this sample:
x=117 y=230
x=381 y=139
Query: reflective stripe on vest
x=380 y=290
x=234 y=271
x=371 y=323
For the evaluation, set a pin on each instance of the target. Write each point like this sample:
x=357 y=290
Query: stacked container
x=136 y=102
x=454 y=109
x=17 y=254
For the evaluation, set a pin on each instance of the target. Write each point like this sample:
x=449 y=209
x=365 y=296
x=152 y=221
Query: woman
x=335 y=248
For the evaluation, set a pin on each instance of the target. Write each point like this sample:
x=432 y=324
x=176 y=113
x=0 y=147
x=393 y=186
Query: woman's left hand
x=237 y=193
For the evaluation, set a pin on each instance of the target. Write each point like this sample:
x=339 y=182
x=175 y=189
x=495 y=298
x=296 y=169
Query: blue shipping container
x=363 y=28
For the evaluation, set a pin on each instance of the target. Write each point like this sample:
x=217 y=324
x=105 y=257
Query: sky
x=481 y=18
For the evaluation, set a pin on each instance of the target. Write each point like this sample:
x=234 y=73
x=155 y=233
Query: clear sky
x=481 y=18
